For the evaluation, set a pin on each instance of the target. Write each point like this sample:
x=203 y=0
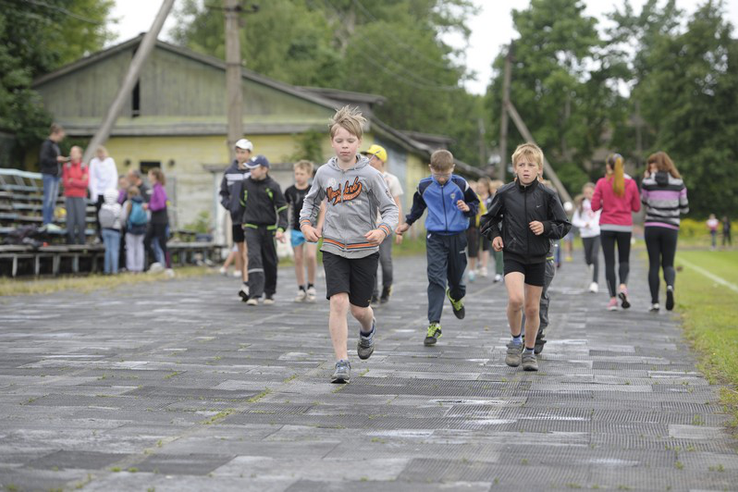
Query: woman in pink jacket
x=617 y=196
x=75 y=177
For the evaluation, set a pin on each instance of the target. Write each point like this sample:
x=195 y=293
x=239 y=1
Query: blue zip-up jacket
x=444 y=217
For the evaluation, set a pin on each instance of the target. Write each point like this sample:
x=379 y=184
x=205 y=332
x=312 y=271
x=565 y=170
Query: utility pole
x=142 y=54
x=482 y=145
x=502 y=165
x=234 y=96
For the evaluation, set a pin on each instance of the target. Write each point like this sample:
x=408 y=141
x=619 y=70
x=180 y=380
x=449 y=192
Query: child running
x=451 y=202
x=531 y=216
x=588 y=223
x=495 y=185
x=354 y=191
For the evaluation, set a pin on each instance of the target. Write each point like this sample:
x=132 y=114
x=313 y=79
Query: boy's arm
x=387 y=206
x=225 y=194
x=489 y=223
x=472 y=201
x=558 y=224
x=416 y=211
x=280 y=206
x=310 y=205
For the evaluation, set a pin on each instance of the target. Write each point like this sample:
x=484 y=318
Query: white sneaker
x=472 y=275
x=594 y=288
x=498 y=278
x=300 y=297
x=236 y=274
x=156 y=267
x=252 y=302
x=483 y=272
x=654 y=307
x=311 y=294
x=268 y=301
x=169 y=273
x=223 y=271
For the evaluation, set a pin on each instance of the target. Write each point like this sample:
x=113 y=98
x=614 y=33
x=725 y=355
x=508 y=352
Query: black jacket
x=513 y=207
x=228 y=198
x=47 y=158
x=263 y=203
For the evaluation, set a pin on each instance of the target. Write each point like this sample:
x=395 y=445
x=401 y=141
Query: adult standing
x=617 y=196
x=665 y=197
x=50 y=159
x=103 y=177
x=727 y=240
x=76 y=179
x=378 y=160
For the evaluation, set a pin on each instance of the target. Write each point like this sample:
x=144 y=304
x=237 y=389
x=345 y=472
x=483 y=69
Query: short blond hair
x=528 y=150
x=350 y=119
x=442 y=160
x=305 y=165
x=495 y=185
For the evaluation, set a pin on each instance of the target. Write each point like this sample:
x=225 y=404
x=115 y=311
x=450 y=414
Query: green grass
x=709 y=311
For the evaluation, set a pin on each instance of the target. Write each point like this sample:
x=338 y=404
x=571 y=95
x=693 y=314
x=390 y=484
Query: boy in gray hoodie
x=354 y=191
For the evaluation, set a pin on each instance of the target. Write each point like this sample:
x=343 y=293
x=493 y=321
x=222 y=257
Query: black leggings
x=661 y=243
x=609 y=238
x=591 y=255
x=159 y=231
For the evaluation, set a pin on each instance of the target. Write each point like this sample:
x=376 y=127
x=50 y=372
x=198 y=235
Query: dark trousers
x=98 y=206
x=262 y=261
x=446 y=255
x=591 y=255
x=609 y=239
x=385 y=262
x=158 y=232
x=76 y=220
x=661 y=243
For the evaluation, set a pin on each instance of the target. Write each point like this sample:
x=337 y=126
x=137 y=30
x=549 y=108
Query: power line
x=64 y=11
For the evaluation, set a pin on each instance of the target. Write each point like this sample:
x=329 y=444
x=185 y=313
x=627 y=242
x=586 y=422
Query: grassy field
x=709 y=311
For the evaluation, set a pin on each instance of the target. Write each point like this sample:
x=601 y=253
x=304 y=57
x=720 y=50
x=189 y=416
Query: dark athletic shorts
x=238 y=236
x=353 y=276
x=535 y=273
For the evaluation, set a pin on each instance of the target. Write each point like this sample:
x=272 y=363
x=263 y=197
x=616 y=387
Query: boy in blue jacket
x=451 y=203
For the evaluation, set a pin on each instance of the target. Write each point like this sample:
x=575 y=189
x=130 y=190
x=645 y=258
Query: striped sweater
x=664 y=198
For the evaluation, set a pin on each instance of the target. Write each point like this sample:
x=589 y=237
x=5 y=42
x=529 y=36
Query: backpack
x=137 y=219
x=107 y=218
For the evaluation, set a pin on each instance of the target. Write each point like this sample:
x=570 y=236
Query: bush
x=691 y=228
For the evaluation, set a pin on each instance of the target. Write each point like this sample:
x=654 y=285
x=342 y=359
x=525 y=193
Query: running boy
x=354 y=191
x=264 y=219
x=531 y=215
x=451 y=203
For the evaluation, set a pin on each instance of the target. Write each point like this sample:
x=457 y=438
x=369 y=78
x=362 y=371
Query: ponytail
x=618 y=174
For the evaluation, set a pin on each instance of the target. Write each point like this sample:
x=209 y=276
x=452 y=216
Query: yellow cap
x=377 y=150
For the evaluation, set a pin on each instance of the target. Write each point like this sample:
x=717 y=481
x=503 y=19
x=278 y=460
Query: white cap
x=245 y=145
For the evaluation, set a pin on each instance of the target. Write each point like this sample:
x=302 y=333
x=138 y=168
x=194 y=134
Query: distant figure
x=103 y=177
x=159 y=217
x=49 y=159
x=588 y=223
x=109 y=220
x=727 y=240
x=712 y=225
x=136 y=220
x=76 y=177
x=499 y=261
x=484 y=243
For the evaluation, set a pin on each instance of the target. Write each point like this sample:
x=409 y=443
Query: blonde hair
x=664 y=163
x=529 y=150
x=618 y=174
x=350 y=119
x=159 y=175
x=442 y=160
x=102 y=149
x=495 y=185
x=305 y=165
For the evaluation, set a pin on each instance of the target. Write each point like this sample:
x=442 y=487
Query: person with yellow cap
x=377 y=156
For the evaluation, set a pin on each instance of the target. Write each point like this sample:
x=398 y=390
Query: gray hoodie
x=353 y=197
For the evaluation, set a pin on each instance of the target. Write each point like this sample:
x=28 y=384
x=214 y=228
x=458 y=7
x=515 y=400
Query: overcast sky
x=491 y=29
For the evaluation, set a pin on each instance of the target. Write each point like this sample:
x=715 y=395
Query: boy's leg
x=515 y=285
x=242 y=261
x=437 y=257
x=300 y=264
x=361 y=272
x=385 y=259
x=338 y=324
x=270 y=261
x=456 y=266
x=311 y=258
x=543 y=306
x=256 y=269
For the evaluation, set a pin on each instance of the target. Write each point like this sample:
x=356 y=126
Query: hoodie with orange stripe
x=353 y=197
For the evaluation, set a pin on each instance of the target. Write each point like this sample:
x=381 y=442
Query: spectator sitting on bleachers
x=75 y=177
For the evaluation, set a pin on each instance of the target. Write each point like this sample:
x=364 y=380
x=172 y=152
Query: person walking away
x=50 y=159
x=617 y=196
x=103 y=177
x=664 y=197
x=75 y=178
x=109 y=218
x=588 y=223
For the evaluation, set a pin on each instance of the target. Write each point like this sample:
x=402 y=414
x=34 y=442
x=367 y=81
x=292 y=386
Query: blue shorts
x=296 y=238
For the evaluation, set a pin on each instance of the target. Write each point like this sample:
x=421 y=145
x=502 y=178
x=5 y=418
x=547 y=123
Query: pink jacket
x=616 y=210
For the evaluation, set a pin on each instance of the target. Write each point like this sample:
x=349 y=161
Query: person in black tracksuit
x=531 y=216
x=264 y=219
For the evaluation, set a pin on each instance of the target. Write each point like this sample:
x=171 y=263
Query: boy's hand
x=310 y=233
x=461 y=205
x=398 y=239
x=401 y=229
x=280 y=236
x=375 y=236
x=497 y=243
x=536 y=227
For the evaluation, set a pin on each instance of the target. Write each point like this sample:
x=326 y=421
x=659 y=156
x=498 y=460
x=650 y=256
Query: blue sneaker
x=342 y=374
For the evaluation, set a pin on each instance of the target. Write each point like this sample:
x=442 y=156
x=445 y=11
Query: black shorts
x=353 y=276
x=472 y=241
x=238 y=236
x=535 y=273
x=486 y=244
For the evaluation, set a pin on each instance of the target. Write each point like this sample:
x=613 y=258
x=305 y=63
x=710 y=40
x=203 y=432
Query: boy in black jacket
x=531 y=215
x=264 y=219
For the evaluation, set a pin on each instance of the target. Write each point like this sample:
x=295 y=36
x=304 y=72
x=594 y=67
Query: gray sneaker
x=365 y=347
x=342 y=374
x=514 y=351
x=530 y=363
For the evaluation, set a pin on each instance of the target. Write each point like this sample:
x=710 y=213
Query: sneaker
x=252 y=301
x=374 y=302
x=613 y=304
x=434 y=333
x=243 y=293
x=269 y=300
x=472 y=276
x=458 y=306
x=540 y=342
x=310 y=294
x=169 y=273
x=530 y=362
x=365 y=346
x=301 y=295
x=669 y=297
x=594 y=288
x=623 y=295
x=386 y=293
x=654 y=307
x=223 y=271
x=568 y=259
x=514 y=353
x=237 y=274
x=483 y=272
x=498 y=278
x=342 y=374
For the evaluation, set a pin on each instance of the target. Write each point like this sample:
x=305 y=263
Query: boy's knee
x=531 y=311
x=358 y=311
x=339 y=302
x=515 y=303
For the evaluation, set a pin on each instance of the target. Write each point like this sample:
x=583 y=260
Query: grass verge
x=709 y=311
